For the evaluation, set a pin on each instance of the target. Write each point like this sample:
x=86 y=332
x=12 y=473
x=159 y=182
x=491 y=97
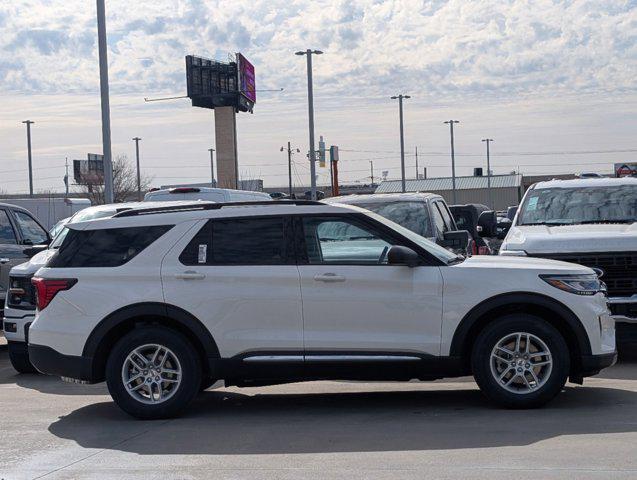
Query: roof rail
x=195 y=206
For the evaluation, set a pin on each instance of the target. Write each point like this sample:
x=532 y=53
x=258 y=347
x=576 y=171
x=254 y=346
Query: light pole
x=28 y=123
x=310 y=109
x=488 y=141
x=290 y=152
x=402 y=137
x=371 y=164
x=453 y=160
x=139 y=178
x=106 y=109
x=212 y=167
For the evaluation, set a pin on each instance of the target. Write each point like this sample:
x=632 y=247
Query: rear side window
x=7 y=235
x=239 y=241
x=110 y=247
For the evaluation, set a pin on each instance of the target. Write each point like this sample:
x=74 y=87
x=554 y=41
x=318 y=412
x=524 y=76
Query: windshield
x=437 y=251
x=411 y=215
x=569 y=206
x=81 y=216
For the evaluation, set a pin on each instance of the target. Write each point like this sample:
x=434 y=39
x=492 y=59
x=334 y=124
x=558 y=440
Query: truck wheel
x=153 y=372
x=520 y=361
x=19 y=357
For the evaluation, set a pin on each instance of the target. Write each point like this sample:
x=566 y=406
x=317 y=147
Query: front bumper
x=593 y=364
x=52 y=362
x=17 y=324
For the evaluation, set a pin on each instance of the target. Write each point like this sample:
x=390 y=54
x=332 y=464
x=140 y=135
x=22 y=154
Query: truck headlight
x=577 y=284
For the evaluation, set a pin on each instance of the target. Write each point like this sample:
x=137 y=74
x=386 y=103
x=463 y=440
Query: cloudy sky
x=553 y=82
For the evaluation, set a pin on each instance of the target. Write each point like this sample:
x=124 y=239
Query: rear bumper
x=52 y=362
x=593 y=364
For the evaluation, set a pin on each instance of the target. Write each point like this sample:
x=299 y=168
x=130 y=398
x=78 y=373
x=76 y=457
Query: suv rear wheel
x=153 y=372
x=520 y=361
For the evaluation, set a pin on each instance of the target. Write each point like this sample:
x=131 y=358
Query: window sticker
x=532 y=205
x=203 y=253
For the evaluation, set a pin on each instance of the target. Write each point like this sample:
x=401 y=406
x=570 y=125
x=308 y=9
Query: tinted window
x=446 y=216
x=7 y=235
x=438 y=220
x=339 y=240
x=239 y=241
x=30 y=228
x=411 y=215
x=109 y=247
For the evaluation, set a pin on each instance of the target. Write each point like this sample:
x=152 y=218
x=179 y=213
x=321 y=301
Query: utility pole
x=453 y=160
x=66 y=175
x=371 y=163
x=402 y=138
x=139 y=178
x=106 y=108
x=416 y=163
x=28 y=123
x=488 y=141
x=212 y=167
x=310 y=107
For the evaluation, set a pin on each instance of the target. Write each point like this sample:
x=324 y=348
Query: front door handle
x=190 y=275
x=329 y=277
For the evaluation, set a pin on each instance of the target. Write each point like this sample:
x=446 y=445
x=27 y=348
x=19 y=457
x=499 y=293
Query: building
x=507 y=190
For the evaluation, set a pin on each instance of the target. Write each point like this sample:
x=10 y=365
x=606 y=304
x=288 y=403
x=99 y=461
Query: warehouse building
x=507 y=190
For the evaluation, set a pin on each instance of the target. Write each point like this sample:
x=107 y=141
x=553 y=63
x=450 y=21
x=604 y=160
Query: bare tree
x=124 y=183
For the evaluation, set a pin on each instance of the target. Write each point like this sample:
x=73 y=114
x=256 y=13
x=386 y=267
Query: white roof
x=587 y=182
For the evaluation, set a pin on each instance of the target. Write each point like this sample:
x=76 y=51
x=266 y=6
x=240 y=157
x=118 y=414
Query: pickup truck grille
x=620 y=269
x=24 y=301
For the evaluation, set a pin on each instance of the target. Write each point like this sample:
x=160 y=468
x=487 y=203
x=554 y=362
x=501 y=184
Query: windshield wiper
x=618 y=220
x=549 y=223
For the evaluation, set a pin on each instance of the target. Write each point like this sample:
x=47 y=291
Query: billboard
x=626 y=169
x=211 y=84
x=247 y=83
x=90 y=170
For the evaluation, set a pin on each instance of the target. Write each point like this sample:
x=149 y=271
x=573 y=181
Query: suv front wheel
x=153 y=372
x=520 y=361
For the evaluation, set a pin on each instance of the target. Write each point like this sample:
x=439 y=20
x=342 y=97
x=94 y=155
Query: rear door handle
x=190 y=276
x=329 y=277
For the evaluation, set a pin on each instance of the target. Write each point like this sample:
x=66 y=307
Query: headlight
x=577 y=284
x=512 y=253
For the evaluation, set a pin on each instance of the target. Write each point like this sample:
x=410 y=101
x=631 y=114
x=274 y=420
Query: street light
x=488 y=141
x=453 y=161
x=310 y=108
x=212 y=167
x=106 y=109
x=28 y=123
x=402 y=137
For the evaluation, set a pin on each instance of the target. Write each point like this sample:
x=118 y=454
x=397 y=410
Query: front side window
x=109 y=247
x=411 y=215
x=7 y=235
x=31 y=231
x=570 y=206
x=239 y=241
x=441 y=228
x=343 y=241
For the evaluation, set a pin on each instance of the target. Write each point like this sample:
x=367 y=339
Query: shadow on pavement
x=230 y=423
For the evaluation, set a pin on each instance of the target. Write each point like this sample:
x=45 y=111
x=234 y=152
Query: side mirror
x=511 y=211
x=457 y=240
x=34 y=250
x=399 y=255
x=487 y=223
x=27 y=241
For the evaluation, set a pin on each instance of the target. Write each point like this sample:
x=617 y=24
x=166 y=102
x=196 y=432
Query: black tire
x=187 y=357
x=497 y=330
x=206 y=383
x=19 y=358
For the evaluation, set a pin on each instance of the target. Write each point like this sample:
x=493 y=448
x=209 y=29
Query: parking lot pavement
x=320 y=430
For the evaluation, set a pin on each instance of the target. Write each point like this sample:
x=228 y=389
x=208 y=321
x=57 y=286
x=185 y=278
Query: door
x=11 y=252
x=238 y=276
x=353 y=301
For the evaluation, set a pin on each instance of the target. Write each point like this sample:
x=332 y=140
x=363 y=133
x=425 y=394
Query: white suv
x=161 y=302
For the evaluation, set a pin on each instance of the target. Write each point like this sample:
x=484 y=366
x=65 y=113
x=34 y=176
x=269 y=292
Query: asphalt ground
x=321 y=430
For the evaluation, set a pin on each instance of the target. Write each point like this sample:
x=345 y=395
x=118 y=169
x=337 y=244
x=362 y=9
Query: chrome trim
x=623 y=319
x=361 y=358
x=631 y=299
x=274 y=358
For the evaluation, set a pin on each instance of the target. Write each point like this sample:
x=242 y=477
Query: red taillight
x=474 y=247
x=47 y=288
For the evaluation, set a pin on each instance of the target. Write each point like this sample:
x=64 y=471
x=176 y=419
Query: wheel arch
x=551 y=310
x=119 y=323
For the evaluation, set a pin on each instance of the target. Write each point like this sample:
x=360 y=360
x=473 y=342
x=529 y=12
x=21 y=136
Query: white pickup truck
x=592 y=222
